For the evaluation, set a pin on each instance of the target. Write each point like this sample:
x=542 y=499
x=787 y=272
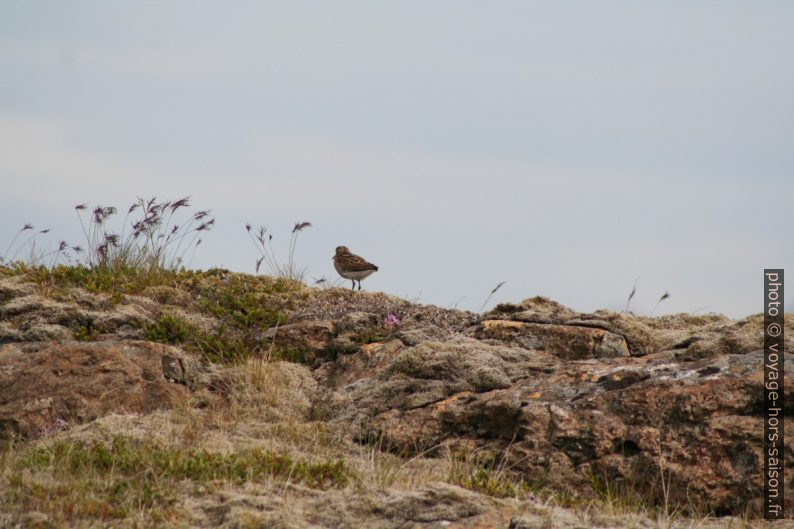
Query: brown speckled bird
x=351 y=266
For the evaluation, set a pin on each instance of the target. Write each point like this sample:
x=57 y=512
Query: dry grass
x=283 y=269
x=152 y=235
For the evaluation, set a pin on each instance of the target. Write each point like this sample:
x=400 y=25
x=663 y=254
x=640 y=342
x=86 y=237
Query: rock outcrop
x=47 y=386
x=671 y=407
x=666 y=408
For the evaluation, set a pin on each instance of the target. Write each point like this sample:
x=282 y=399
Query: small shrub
x=223 y=346
x=86 y=333
x=169 y=329
x=247 y=301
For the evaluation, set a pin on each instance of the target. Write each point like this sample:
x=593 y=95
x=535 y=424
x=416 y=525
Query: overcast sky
x=566 y=148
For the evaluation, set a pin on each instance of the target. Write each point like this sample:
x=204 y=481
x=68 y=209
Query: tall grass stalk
x=632 y=294
x=263 y=241
x=495 y=289
x=665 y=296
x=150 y=237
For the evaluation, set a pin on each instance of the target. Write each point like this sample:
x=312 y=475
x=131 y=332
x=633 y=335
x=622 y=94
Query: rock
x=693 y=336
x=349 y=368
x=358 y=322
x=28 y=316
x=541 y=309
x=336 y=304
x=311 y=337
x=528 y=522
x=15 y=287
x=568 y=342
x=406 y=377
x=8 y=333
x=45 y=331
x=696 y=422
x=46 y=382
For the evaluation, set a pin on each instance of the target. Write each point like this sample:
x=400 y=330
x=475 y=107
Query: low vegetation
x=242 y=308
x=70 y=480
x=263 y=242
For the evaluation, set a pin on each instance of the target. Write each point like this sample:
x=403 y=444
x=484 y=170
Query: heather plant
x=263 y=241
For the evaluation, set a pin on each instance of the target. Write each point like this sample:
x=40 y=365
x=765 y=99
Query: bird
x=351 y=266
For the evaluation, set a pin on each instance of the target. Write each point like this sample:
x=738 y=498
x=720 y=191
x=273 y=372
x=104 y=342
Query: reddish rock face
x=570 y=342
x=48 y=385
x=699 y=425
x=677 y=416
x=312 y=338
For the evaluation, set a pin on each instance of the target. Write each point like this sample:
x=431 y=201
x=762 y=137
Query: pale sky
x=565 y=147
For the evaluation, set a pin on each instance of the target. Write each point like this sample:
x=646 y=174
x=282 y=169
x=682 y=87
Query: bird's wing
x=355 y=263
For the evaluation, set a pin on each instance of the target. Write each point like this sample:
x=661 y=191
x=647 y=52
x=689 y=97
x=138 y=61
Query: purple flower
x=56 y=426
x=392 y=321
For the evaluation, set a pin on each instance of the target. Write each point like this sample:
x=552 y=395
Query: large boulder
x=685 y=431
x=570 y=342
x=49 y=385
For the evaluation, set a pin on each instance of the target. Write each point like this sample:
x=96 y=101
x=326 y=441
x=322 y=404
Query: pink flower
x=392 y=321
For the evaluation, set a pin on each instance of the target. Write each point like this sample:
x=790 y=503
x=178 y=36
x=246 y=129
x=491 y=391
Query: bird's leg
x=359 y=285
x=354 y=284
